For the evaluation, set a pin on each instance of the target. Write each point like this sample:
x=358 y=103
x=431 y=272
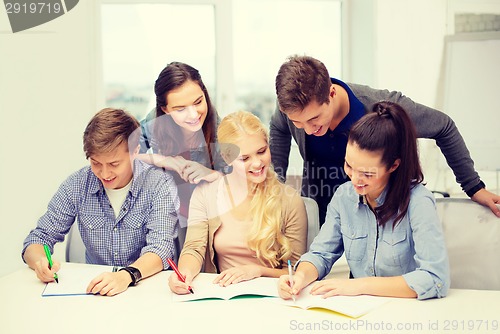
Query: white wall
x=47 y=95
x=409 y=48
x=360 y=38
x=399 y=45
x=409 y=54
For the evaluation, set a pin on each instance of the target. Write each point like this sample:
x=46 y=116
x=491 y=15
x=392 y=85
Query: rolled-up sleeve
x=57 y=220
x=196 y=242
x=295 y=223
x=162 y=222
x=328 y=246
x=431 y=278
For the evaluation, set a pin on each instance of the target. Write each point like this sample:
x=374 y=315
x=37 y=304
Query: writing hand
x=42 y=270
x=179 y=287
x=285 y=290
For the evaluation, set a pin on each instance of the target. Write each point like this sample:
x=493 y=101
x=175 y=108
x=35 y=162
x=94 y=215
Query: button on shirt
x=147 y=221
x=415 y=248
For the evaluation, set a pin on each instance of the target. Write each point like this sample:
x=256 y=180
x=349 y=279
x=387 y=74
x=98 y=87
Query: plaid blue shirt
x=147 y=221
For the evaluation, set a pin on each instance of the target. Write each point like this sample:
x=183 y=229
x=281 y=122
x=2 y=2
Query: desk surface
x=147 y=307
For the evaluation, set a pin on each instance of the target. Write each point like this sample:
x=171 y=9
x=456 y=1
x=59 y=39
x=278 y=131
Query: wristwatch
x=135 y=274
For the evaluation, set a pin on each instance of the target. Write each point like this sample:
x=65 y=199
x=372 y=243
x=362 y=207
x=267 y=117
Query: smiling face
x=368 y=174
x=113 y=169
x=315 y=118
x=254 y=159
x=187 y=106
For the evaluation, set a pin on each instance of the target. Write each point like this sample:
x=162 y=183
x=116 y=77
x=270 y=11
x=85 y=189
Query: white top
x=117 y=197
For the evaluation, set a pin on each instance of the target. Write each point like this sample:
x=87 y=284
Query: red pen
x=182 y=278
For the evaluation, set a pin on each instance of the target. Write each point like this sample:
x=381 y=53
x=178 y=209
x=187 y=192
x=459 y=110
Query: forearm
x=189 y=264
x=431 y=123
x=174 y=163
x=386 y=286
x=154 y=159
x=33 y=253
x=272 y=272
x=457 y=156
x=148 y=264
x=434 y=124
x=308 y=272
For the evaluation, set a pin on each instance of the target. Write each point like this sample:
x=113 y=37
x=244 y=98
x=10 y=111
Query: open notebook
x=352 y=306
x=203 y=288
x=74 y=280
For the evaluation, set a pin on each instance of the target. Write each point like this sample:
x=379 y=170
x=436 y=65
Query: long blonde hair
x=266 y=236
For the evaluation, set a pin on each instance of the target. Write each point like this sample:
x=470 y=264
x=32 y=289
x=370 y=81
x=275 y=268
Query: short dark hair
x=108 y=129
x=301 y=80
x=390 y=130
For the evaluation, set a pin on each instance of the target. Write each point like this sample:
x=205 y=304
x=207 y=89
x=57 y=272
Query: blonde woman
x=246 y=224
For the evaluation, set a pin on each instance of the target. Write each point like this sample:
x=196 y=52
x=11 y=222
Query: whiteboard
x=472 y=94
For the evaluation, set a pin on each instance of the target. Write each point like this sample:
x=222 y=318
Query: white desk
x=147 y=308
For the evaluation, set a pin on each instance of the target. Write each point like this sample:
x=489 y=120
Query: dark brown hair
x=168 y=134
x=301 y=80
x=108 y=129
x=390 y=130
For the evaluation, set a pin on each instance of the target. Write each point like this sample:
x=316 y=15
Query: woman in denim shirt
x=180 y=134
x=384 y=219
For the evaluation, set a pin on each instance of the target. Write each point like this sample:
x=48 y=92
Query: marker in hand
x=181 y=278
x=49 y=258
x=290 y=274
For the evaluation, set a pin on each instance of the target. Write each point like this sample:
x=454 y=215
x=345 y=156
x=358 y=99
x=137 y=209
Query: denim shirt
x=414 y=249
x=148 y=141
x=147 y=221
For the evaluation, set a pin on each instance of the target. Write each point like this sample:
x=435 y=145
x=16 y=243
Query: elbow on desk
x=419 y=281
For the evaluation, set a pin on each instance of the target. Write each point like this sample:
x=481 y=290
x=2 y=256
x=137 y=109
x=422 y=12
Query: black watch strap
x=475 y=189
x=135 y=274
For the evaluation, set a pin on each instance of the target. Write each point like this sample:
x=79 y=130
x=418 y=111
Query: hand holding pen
x=291 y=284
x=49 y=258
x=181 y=277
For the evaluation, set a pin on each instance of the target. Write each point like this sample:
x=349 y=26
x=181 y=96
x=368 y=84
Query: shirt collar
x=363 y=201
x=355 y=106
